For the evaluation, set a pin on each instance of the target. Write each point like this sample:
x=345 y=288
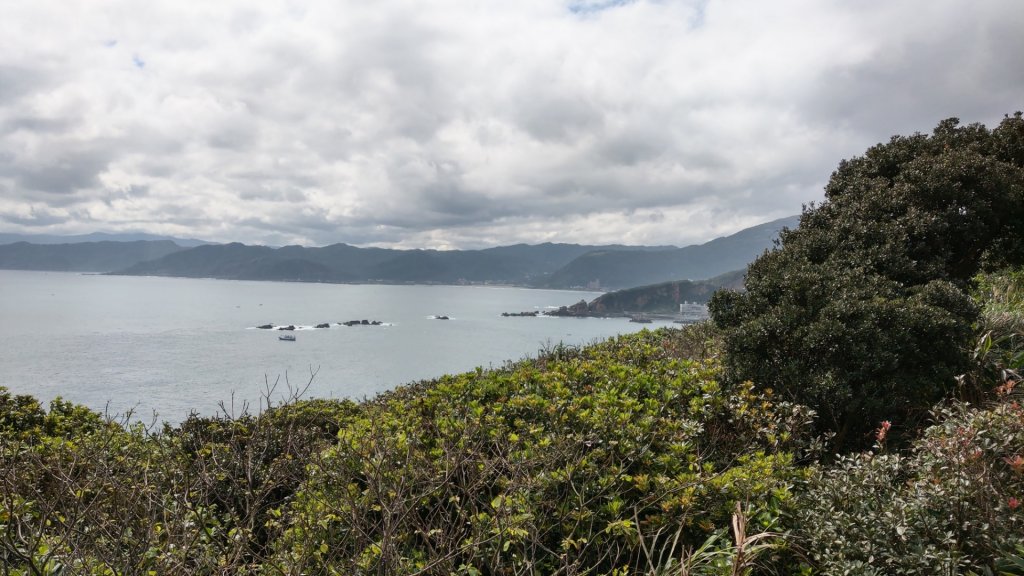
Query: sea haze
x=174 y=345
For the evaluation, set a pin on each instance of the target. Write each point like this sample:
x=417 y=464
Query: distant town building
x=693 y=311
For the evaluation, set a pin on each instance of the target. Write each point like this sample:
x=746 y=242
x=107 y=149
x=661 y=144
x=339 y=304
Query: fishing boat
x=287 y=337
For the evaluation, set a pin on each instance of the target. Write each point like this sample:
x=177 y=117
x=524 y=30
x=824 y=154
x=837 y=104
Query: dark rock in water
x=376 y=323
x=266 y=327
x=520 y=314
x=324 y=325
x=288 y=327
x=579 y=309
x=362 y=323
x=441 y=318
x=365 y=322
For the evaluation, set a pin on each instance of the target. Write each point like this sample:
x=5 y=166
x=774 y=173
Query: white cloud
x=465 y=124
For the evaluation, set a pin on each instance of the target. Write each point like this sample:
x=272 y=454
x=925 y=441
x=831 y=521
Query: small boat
x=287 y=337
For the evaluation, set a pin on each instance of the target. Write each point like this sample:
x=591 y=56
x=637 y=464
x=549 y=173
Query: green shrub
x=948 y=506
x=615 y=458
x=84 y=494
x=997 y=356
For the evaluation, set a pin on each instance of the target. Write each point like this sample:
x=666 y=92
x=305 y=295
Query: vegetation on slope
x=663 y=298
x=949 y=505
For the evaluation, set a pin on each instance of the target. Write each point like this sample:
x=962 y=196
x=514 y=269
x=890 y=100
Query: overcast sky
x=464 y=124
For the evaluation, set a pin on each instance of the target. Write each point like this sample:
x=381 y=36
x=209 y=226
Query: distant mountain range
x=520 y=264
x=542 y=265
x=96 y=237
x=83 y=256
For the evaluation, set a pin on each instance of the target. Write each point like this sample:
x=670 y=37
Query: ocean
x=162 y=348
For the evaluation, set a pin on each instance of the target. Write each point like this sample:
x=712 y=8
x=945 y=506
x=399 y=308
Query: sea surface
x=161 y=348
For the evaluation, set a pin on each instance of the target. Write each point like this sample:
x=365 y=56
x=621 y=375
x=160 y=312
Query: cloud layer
x=468 y=124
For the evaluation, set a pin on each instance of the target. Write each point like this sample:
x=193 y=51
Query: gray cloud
x=443 y=125
x=18 y=80
x=34 y=124
x=34 y=218
x=60 y=171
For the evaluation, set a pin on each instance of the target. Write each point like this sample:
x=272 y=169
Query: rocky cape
x=666 y=300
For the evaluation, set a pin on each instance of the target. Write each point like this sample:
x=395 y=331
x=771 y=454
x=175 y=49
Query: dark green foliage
x=862 y=311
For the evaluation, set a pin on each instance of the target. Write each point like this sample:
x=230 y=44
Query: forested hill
x=626 y=268
x=666 y=297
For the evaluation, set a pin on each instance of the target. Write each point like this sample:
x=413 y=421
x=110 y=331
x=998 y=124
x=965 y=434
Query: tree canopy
x=862 y=311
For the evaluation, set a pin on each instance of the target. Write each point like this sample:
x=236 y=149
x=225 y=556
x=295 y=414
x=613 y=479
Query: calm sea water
x=171 y=346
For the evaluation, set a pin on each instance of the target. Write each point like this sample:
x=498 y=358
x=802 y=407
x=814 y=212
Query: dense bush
x=950 y=505
x=862 y=312
x=615 y=458
x=22 y=417
x=82 y=494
